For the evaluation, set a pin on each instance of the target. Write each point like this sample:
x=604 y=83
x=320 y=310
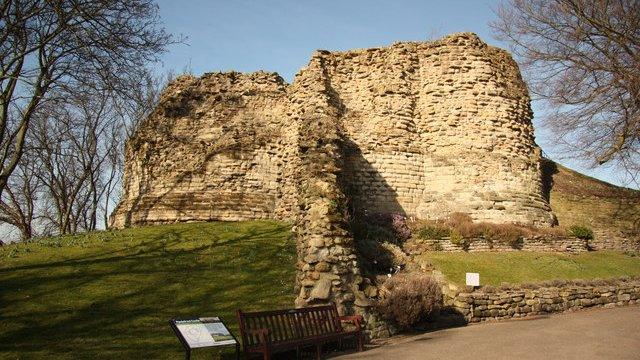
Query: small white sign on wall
x=473 y=279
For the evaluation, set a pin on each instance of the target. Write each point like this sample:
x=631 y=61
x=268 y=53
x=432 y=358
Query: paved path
x=590 y=334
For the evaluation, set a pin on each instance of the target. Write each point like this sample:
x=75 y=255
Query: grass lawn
x=529 y=267
x=111 y=294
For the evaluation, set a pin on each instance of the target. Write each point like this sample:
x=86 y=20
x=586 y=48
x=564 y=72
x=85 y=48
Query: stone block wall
x=428 y=128
x=479 y=305
x=439 y=127
x=608 y=241
x=216 y=148
x=539 y=244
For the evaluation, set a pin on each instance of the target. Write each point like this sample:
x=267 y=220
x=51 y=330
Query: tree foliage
x=582 y=57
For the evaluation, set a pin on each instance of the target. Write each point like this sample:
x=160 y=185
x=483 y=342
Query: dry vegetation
x=410 y=298
x=460 y=227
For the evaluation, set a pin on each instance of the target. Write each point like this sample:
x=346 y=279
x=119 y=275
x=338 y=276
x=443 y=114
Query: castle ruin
x=417 y=128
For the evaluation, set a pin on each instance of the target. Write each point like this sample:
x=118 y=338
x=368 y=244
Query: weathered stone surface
x=321 y=289
x=479 y=306
x=429 y=128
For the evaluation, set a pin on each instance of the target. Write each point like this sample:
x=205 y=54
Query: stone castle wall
x=429 y=128
x=216 y=148
x=439 y=127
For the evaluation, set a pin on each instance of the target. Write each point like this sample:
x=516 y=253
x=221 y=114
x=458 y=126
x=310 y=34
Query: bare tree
x=62 y=45
x=75 y=138
x=582 y=57
x=78 y=140
x=19 y=202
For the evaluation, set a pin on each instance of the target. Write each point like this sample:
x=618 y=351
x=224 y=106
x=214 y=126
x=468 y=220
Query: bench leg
x=318 y=351
x=360 y=338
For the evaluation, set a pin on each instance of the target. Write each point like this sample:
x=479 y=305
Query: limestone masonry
x=418 y=128
x=427 y=128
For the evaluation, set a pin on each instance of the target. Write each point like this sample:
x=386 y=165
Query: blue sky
x=281 y=35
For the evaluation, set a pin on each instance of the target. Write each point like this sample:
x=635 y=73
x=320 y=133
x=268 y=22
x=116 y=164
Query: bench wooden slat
x=320 y=321
x=272 y=328
x=280 y=326
x=328 y=323
x=291 y=329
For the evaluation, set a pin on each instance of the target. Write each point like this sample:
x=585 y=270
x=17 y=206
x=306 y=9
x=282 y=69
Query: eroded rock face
x=421 y=129
x=214 y=149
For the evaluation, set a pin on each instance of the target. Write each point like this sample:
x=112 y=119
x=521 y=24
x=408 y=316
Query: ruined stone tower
x=417 y=128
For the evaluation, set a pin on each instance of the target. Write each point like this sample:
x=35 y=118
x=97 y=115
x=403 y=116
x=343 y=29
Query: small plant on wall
x=581 y=232
x=457 y=239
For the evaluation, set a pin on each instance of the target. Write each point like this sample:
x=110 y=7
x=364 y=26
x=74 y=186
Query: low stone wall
x=481 y=305
x=565 y=244
x=614 y=243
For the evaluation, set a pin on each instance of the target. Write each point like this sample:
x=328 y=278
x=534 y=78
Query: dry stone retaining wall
x=609 y=241
x=482 y=306
x=542 y=244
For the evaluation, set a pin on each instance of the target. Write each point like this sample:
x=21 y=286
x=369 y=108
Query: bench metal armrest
x=355 y=319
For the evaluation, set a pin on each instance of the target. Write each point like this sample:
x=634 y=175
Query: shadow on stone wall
x=372 y=227
x=367 y=189
x=549 y=168
x=143 y=204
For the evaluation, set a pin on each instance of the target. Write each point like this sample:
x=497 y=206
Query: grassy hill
x=111 y=294
x=532 y=267
x=577 y=199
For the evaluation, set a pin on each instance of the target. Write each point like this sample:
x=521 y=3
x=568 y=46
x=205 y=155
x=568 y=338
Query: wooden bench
x=269 y=332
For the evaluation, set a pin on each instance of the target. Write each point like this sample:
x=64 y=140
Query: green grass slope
x=577 y=199
x=529 y=267
x=110 y=295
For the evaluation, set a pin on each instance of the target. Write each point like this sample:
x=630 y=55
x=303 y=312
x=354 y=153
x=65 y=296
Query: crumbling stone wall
x=440 y=127
x=216 y=148
x=429 y=128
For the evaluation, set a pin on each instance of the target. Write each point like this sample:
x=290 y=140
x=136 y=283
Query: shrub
x=411 y=298
x=458 y=218
x=391 y=228
x=581 y=232
x=510 y=234
x=434 y=232
x=457 y=239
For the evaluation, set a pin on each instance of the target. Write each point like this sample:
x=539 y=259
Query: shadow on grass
x=110 y=305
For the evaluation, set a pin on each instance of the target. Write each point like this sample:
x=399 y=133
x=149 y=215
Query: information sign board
x=202 y=332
